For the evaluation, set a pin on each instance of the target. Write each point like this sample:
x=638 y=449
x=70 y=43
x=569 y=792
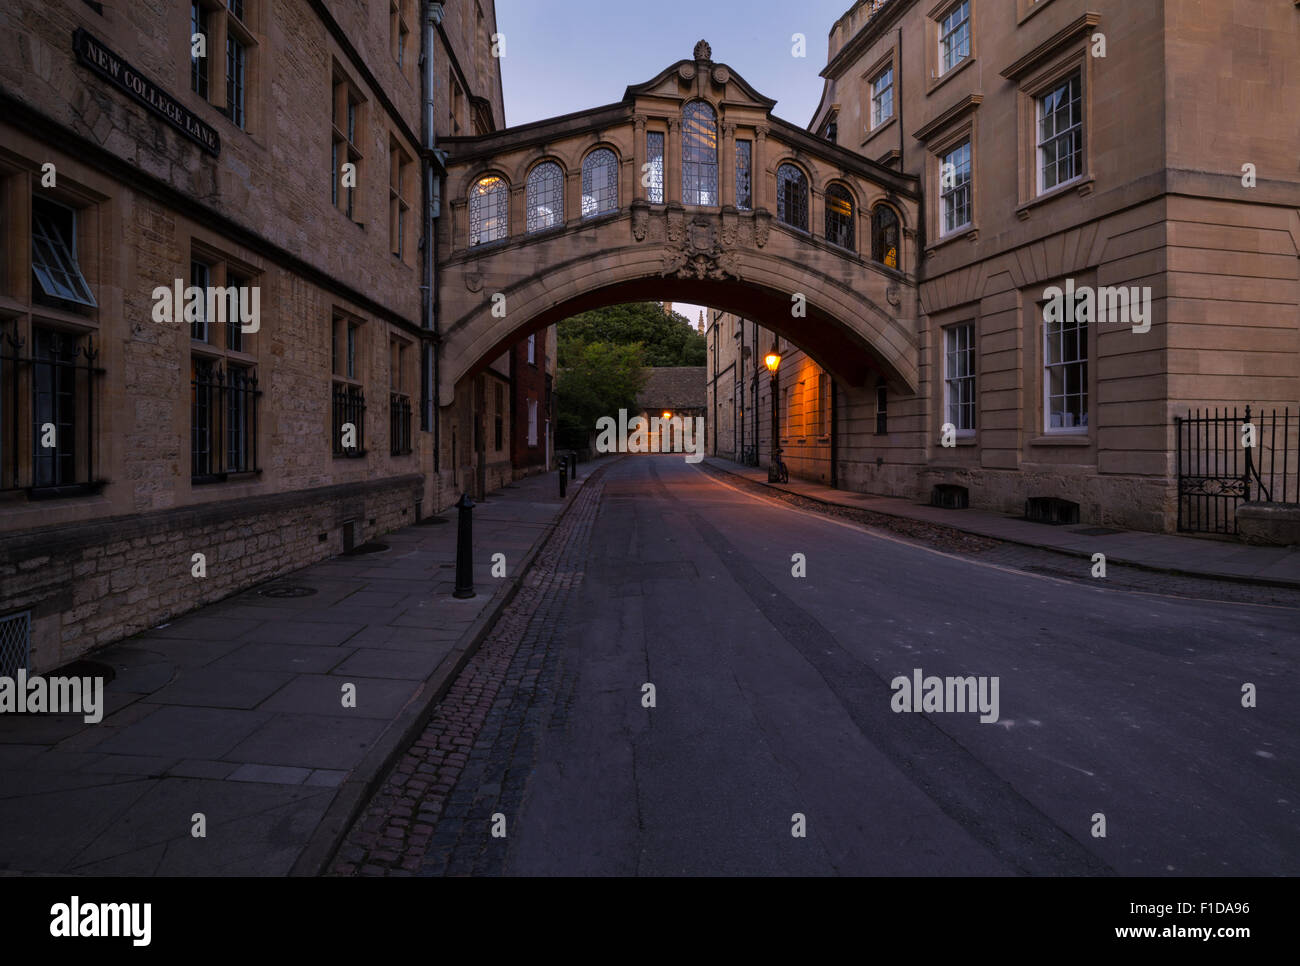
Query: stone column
x=673 y=162
x=764 y=196
x=639 y=158
x=727 y=165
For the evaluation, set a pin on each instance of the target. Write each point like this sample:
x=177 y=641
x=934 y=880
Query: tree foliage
x=595 y=379
x=668 y=340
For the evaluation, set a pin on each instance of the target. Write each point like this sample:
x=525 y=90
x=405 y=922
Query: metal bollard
x=573 y=465
x=564 y=478
x=464 y=548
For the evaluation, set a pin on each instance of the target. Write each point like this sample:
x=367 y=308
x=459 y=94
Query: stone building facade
x=158 y=456
x=1063 y=144
x=532 y=441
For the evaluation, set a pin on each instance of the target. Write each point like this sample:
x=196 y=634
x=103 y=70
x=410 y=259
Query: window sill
x=240 y=476
x=879 y=129
x=1062 y=439
x=350 y=456
x=65 y=491
x=1082 y=185
x=969 y=232
x=939 y=80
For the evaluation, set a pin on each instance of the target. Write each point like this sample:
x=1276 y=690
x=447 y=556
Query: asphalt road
x=772 y=697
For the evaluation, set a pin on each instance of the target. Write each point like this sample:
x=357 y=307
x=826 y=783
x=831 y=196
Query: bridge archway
x=608 y=232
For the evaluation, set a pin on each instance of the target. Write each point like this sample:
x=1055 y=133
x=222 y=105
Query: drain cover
x=287 y=590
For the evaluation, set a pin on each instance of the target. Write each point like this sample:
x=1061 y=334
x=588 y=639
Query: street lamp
x=667 y=415
x=773 y=362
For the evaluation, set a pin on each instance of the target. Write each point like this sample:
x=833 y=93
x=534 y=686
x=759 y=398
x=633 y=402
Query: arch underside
x=847 y=332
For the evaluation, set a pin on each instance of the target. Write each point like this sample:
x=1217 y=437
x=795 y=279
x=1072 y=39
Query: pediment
x=694 y=78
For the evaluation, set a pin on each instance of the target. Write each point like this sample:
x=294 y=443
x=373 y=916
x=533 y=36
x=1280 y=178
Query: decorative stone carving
x=893 y=297
x=676 y=224
x=730 y=227
x=686 y=72
x=474 y=281
x=703 y=52
x=640 y=121
x=721 y=75
x=699 y=254
x=762 y=226
x=640 y=219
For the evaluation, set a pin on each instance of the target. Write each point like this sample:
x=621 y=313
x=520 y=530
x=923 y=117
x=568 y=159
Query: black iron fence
x=399 y=424
x=1228 y=458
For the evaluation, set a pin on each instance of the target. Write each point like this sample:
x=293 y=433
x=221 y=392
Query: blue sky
x=565 y=57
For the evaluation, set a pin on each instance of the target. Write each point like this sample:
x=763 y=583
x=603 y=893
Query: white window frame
x=878 y=96
x=54 y=258
x=532 y=350
x=958 y=374
x=532 y=422
x=1064 y=365
x=1075 y=130
x=951 y=29
x=949 y=195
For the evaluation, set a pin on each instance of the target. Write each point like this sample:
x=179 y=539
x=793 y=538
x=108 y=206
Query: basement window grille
x=15 y=643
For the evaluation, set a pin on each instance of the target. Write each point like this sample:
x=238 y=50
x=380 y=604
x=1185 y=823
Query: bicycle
x=778 y=472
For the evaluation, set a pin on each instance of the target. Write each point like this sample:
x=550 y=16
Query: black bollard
x=573 y=465
x=564 y=478
x=464 y=548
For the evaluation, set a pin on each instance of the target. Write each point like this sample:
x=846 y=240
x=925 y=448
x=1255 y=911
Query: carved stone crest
x=694 y=251
x=703 y=51
x=762 y=225
x=474 y=281
x=893 y=296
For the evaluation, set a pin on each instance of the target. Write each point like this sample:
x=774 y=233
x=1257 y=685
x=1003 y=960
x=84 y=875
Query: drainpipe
x=434 y=166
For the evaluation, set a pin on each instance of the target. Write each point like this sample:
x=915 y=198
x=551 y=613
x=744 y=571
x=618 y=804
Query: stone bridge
x=688 y=190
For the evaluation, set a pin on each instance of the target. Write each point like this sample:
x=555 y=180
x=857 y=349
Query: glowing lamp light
x=772 y=360
x=667 y=414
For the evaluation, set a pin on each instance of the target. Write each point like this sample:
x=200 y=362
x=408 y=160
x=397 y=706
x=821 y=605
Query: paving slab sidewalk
x=1167 y=553
x=236 y=710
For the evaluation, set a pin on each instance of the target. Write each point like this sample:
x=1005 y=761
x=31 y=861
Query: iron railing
x=1218 y=471
x=349 y=408
x=399 y=424
x=47 y=413
x=223 y=421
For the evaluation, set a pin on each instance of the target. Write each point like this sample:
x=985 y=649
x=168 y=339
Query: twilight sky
x=564 y=57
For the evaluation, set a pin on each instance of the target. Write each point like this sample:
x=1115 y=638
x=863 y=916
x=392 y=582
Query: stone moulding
x=703 y=245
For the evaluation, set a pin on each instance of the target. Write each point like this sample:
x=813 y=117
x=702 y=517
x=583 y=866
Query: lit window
x=839 y=217
x=884 y=236
x=489 y=204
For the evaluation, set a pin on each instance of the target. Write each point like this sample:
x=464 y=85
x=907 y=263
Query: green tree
x=594 y=380
x=668 y=340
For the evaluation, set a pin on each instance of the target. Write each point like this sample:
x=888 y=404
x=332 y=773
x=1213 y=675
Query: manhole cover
x=432 y=521
x=367 y=548
x=288 y=590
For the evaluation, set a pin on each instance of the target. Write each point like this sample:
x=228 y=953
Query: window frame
x=604 y=193
x=499 y=195
x=348 y=112
x=540 y=191
x=658 y=181
x=960 y=380
x=1085 y=360
x=848 y=222
x=782 y=202
x=1076 y=128
x=696 y=171
x=941 y=196
x=745 y=168
x=877 y=119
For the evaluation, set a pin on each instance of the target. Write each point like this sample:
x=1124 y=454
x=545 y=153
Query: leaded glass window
x=839 y=217
x=545 y=196
x=489 y=206
x=599 y=183
x=744 y=175
x=654 y=149
x=792 y=197
x=1060 y=134
x=884 y=236
x=699 y=154
x=236 y=59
